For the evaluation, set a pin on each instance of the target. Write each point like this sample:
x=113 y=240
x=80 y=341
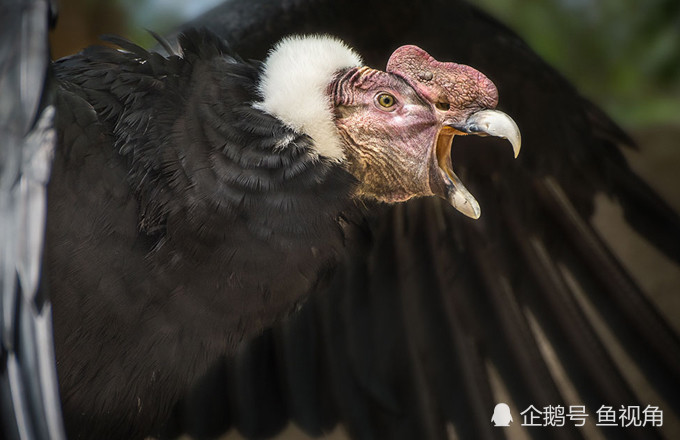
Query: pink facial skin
x=391 y=149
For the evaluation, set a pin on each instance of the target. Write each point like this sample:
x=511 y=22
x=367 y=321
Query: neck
x=235 y=167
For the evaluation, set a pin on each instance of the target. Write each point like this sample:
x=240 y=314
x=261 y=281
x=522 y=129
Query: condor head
x=391 y=129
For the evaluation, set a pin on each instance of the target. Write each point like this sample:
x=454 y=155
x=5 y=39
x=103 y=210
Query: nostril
x=444 y=106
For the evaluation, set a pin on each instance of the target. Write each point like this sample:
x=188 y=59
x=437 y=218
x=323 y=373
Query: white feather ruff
x=294 y=87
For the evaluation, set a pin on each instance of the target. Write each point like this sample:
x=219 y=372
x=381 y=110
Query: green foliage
x=623 y=54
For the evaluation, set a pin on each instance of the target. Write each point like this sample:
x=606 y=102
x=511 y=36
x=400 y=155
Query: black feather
x=176 y=232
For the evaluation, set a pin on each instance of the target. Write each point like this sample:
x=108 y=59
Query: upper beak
x=482 y=123
x=495 y=123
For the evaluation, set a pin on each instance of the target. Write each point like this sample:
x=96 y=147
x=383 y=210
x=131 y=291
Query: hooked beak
x=482 y=123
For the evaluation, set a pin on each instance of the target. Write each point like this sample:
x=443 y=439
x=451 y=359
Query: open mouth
x=449 y=186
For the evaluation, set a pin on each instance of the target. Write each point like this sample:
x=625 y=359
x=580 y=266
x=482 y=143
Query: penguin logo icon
x=501 y=415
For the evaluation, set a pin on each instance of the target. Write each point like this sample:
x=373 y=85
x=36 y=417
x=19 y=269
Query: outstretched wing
x=28 y=379
x=435 y=318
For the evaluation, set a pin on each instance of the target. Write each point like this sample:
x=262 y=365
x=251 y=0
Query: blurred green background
x=622 y=54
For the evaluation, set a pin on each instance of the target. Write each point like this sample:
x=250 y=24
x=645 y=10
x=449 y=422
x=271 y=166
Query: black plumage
x=191 y=194
x=416 y=314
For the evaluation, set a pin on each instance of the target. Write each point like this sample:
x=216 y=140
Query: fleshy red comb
x=446 y=84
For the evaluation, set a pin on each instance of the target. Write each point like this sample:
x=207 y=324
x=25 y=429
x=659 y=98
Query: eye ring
x=385 y=100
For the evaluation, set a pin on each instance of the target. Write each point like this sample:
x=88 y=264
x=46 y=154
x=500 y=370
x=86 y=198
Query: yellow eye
x=386 y=100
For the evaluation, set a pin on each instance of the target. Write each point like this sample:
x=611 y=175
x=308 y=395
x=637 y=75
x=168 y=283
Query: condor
x=238 y=243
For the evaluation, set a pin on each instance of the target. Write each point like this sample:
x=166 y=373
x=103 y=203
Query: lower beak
x=444 y=181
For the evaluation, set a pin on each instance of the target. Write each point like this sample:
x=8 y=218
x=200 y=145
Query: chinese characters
x=577 y=415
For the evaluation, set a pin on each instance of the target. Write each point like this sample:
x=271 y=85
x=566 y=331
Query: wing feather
x=432 y=319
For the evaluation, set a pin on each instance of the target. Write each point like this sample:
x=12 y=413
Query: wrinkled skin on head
x=398 y=125
x=373 y=133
